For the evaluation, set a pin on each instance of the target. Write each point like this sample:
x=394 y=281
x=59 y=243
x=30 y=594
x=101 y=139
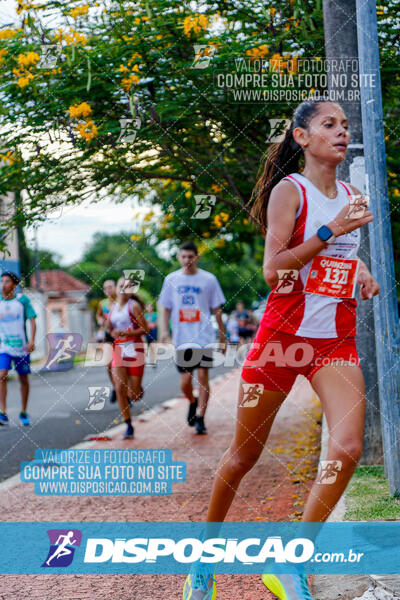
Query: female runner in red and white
x=127 y=325
x=309 y=324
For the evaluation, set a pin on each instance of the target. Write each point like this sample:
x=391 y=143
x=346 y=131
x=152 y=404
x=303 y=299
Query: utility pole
x=36 y=258
x=340 y=28
x=382 y=262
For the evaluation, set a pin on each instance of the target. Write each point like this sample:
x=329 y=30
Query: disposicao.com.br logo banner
x=171 y=548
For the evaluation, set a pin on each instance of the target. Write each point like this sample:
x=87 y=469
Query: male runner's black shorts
x=189 y=359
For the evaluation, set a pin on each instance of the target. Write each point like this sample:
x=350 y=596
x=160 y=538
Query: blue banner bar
x=171 y=548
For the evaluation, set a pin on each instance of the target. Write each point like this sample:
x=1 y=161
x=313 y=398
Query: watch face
x=324 y=233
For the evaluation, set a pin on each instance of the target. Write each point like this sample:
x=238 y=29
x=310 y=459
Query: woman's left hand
x=368 y=286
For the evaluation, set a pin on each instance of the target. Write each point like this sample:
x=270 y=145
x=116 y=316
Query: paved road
x=57 y=410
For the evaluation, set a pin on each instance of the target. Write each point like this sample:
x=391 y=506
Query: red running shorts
x=135 y=365
x=275 y=358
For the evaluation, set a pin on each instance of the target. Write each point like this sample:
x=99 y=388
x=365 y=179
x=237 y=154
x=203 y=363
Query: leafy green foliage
x=137 y=60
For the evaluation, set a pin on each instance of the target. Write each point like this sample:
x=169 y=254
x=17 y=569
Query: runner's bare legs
x=204 y=391
x=342 y=394
x=252 y=429
x=344 y=407
x=120 y=378
x=187 y=386
x=24 y=388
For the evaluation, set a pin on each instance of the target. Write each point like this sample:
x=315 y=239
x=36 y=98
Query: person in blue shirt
x=15 y=347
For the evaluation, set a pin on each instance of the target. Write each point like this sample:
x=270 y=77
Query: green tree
x=139 y=60
x=108 y=255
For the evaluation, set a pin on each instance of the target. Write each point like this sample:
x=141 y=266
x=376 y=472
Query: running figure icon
x=62 y=549
x=66 y=351
x=287 y=279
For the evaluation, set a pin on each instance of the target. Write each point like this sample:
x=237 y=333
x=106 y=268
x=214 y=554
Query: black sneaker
x=191 y=416
x=129 y=433
x=113 y=397
x=200 y=427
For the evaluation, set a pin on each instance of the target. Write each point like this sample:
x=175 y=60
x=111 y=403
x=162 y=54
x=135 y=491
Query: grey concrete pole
x=340 y=28
x=382 y=262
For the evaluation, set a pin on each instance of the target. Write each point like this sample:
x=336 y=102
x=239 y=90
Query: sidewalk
x=275 y=490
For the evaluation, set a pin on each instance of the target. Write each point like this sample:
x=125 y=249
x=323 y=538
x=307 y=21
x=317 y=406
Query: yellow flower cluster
x=23 y=77
x=220 y=219
x=9 y=157
x=3 y=52
x=23 y=6
x=87 y=130
x=131 y=78
x=77 y=111
x=149 y=216
x=220 y=243
x=28 y=59
x=259 y=52
x=7 y=34
x=216 y=188
x=134 y=58
x=73 y=37
x=79 y=11
x=195 y=23
x=138 y=20
x=127 y=81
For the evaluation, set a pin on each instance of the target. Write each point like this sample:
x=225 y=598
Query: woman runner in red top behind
x=127 y=324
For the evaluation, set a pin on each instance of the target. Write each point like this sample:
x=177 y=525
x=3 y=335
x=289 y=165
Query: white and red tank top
x=308 y=314
x=124 y=319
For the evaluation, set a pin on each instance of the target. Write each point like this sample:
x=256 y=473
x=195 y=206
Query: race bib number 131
x=329 y=276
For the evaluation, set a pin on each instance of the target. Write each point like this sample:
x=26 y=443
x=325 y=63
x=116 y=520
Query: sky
x=7 y=11
x=69 y=233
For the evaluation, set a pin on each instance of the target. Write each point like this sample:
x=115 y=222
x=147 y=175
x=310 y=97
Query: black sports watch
x=325 y=234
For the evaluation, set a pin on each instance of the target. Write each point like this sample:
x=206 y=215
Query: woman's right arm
x=282 y=207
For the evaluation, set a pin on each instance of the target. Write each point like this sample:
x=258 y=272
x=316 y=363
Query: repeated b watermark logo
x=129 y=129
x=287 y=279
x=203 y=54
x=204 y=206
x=97 y=397
x=133 y=279
x=252 y=393
x=358 y=204
x=50 y=56
x=328 y=471
x=63 y=348
x=63 y=543
x=277 y=129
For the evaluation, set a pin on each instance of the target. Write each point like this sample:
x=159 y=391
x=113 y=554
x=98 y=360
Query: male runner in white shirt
x=189 y=296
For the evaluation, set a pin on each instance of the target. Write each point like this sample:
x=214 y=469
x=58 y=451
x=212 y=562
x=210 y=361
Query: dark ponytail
x=282 y=159
x=138 y=300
